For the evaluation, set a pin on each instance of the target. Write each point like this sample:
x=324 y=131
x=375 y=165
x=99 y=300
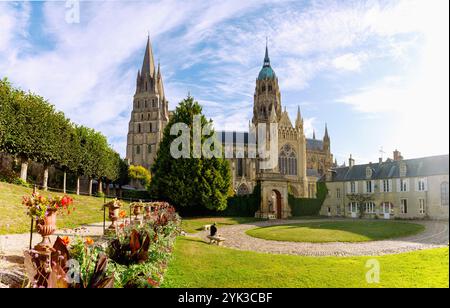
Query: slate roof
x=417 y=167
x=314 y=144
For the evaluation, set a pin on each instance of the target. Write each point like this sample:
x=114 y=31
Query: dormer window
x=263 y=88
x=369 y=172
x=403 y=169
x=270 y=88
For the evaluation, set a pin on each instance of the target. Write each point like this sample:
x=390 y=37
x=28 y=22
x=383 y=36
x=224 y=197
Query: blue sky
x=375 y=71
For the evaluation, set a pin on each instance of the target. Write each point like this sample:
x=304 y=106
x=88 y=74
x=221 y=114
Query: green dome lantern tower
x=267 y=93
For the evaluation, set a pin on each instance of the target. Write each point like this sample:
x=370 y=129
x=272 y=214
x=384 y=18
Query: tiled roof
x=417 y=167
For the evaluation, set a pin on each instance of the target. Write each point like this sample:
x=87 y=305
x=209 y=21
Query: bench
x=216 y=240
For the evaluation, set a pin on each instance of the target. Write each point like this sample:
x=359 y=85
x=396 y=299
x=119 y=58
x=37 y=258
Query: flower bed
x=134 y=257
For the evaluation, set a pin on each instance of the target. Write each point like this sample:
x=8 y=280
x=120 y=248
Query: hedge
x=237 y=206
x=308 y=206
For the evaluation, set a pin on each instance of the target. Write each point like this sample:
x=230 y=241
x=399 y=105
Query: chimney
x=351 y=161
x=380 y=160
x=397 y=155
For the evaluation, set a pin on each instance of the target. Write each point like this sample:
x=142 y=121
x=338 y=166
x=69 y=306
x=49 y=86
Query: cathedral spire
x=148 y=65
x=299 y=120
x=314 y=134
x=266 y=57
x=326 y=137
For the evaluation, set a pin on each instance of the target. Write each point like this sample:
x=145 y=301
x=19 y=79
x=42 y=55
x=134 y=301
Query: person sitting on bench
x=213 y=230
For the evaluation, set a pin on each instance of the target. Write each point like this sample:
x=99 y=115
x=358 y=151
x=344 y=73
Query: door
x=387 y=208
x=278 y=204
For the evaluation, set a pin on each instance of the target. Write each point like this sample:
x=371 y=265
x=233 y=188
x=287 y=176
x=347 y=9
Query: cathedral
x=301 y=161
x=150 y=113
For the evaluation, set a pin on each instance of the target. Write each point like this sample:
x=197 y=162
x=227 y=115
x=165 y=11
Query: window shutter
x=373 y=186
x=425 y=181
x=365 y=187
x=356 y=187
x=399 y=188
x=407 y=184
x=349 y=190
x=390 y=186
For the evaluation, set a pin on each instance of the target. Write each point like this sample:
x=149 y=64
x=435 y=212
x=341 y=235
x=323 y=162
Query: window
x=338 y=193
x=404 y=206
x=386 y=186
x=138 y=104
x=352 y=187
x=387 y=208
x=403 y=169
x=353 y=207
x=270 y=88
x=151 y=127
x=403 y=185
x=264 y=88
x=153 y=103
x=444 y=193
x=287 y=161
x=145 y=103
x=139 y=127
x=368 y=172
x=421 y=184
x=243 y=190
x=142 y=117
x=421 y=206
x=369 y=187
x=150 y=148
x=370 y=207
x=240 y=167
x=138 y=149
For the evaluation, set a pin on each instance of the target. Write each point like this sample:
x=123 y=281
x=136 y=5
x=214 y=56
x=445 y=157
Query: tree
x=190 y=182
x=140 y=174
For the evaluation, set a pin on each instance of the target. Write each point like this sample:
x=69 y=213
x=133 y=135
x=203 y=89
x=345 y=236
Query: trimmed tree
x=190 y=182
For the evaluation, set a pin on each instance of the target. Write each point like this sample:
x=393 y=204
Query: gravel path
x=436 y=235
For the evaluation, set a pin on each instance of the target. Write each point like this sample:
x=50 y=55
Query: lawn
x=195 y=224
x=13 y=218
x=196 y=264
x=341 y=231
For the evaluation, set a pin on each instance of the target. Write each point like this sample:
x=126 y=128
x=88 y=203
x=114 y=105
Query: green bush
x=308 y=206
x=237 y=206
x=136 y=194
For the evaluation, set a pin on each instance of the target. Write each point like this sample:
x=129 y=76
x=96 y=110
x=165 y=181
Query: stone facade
x=301 y=161
x=400 y=189
x=150 y=113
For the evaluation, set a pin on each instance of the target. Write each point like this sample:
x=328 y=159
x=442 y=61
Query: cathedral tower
x=150 y=113
x=267 y=95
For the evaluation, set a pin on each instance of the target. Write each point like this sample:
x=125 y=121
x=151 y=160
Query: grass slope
x=199 y=265
x=345 y=231
x=195 y=224
x=13 y=217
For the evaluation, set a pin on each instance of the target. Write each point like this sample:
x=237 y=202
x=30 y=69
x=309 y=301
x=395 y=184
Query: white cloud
x=349 y=62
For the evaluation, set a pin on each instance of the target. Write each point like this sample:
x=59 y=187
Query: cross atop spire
x=148 y=65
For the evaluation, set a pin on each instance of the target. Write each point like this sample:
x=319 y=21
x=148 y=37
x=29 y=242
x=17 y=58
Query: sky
x=376 y=72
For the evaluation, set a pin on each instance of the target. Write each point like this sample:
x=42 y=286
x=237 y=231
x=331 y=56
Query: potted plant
x=43 y=210
x=113 y=214
x=137 y=210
